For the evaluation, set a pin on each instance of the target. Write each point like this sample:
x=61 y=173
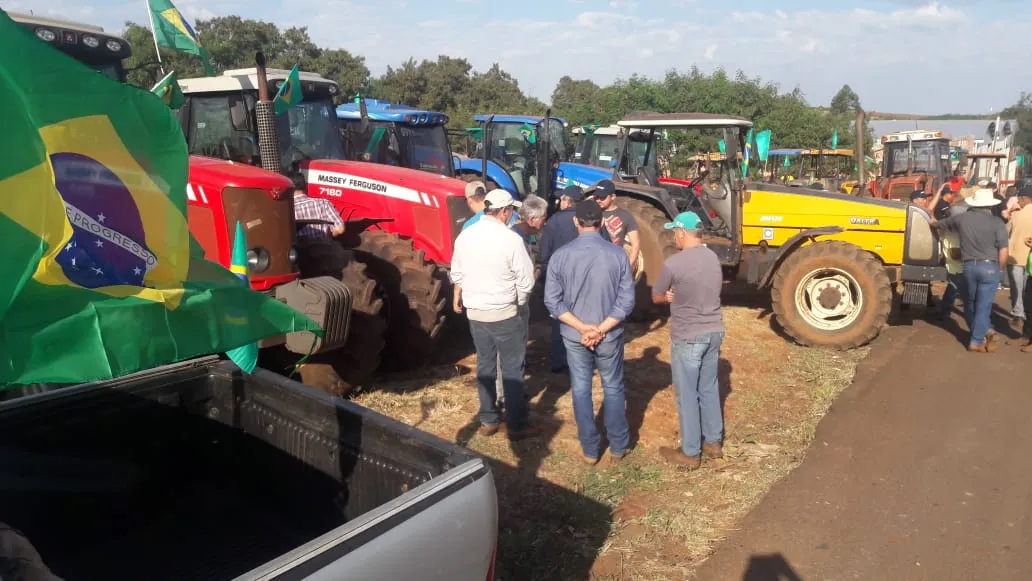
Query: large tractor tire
x=342 y=370
x=831 y=294
x=414 y=294
x=657 y=243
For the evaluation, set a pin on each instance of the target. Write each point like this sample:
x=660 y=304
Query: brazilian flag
x=101 y=277
x=173 y=31
x=289 y=93
x=167 y=89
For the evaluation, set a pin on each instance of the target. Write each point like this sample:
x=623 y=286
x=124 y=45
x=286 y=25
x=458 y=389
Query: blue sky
x=901 y=56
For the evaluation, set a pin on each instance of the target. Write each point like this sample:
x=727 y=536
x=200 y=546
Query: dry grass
x=644 y=519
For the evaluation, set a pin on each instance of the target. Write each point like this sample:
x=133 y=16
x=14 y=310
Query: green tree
x=845 y=100
x=1022 y=112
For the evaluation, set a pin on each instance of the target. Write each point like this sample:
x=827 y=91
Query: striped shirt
x=306 y=208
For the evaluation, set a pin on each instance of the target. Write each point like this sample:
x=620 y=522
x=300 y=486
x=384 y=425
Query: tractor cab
x=912 y=160
x=470 y=141
x=986 y=166
x=396 y=135
x=831 y=168
x=87 y=44
x=520 y=153
x=305 y=132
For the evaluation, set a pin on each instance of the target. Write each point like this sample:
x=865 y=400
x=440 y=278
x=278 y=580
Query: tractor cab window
x=599 y=150
x=514 y=147
x=919 y=156
x=309 y=131
x=217 y=126
x=427 y=148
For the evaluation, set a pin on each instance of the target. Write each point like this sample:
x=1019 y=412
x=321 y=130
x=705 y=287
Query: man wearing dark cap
x=618 y=225
x=590 y=290
x=559 y=230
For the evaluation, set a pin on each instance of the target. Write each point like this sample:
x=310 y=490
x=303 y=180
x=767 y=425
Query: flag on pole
x=834 y=140
x=763 y=144
x=171 y=30
x=289 y=93
x=722 y=146
x=245 y=356
x=747 y=153
x=167 y=89
x=101 y=275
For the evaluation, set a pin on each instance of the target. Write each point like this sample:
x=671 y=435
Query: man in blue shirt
x=559 y=230
x=476 y=192
x=589 y=289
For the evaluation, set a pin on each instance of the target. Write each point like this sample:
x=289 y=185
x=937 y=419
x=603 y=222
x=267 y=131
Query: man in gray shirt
x=983 y=248
x=691 y=281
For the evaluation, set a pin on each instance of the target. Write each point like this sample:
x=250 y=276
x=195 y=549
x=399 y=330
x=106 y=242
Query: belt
x=981 y=260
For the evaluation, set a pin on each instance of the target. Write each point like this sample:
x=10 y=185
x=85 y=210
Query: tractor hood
x=381 y=178
x=777 y=206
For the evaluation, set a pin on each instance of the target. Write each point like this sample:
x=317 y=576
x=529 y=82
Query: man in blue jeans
x=691 y=281
x=983 y=249
x=589 y=289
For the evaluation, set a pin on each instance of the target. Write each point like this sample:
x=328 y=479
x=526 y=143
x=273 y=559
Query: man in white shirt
x=493 y=277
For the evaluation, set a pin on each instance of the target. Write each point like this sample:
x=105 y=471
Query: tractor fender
x=778 y=255
x=658 y=197
x=494 y=172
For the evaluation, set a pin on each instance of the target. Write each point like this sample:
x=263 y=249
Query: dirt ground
x=643 y=519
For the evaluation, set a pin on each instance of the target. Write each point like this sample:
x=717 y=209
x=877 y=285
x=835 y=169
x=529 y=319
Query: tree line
x=452 y=86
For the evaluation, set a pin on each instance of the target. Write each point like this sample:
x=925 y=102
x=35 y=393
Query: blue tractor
x=516 y=153
x=398 y=135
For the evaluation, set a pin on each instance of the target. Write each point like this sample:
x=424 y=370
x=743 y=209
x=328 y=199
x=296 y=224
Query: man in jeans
x=983 y=250
x=493 y=276
x=589 y=289
x=559 y=230
x=691 y=281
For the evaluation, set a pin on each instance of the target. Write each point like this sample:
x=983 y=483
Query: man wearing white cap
x=983 y=251
x=493 y=277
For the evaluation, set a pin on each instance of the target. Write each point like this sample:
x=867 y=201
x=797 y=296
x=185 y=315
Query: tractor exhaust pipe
x=860 y=157
x=268 y=141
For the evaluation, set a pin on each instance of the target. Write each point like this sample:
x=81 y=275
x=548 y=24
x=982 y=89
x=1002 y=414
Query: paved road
x=922 y=470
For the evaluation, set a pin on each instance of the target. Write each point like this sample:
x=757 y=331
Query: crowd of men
x=586 y=253
x=987 y=239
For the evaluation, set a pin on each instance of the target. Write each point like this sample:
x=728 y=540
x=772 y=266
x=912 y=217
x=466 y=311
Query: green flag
x=788 y=162
x=834 y=140
x=246 y=356
x=101 y=275
x=722 y=146
x=167 y=89
x=528 y=133
x=763 y=144
x=173 y=31
x=289 y=93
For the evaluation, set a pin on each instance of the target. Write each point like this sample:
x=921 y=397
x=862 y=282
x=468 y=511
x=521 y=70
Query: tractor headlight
x=46 y=35
x=921 y=240
x=113 y=45
x=258 y=259
x=90 y=41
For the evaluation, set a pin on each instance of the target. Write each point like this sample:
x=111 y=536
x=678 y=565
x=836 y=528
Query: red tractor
x=912 y=160
x=402 y=223
x=337 y=294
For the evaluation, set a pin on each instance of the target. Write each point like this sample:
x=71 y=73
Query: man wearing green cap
x=690 y=282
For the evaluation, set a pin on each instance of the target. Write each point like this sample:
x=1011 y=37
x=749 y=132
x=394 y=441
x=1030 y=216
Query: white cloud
x=710 y=51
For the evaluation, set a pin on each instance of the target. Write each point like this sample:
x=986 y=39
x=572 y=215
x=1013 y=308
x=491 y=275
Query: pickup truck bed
x=200 y=472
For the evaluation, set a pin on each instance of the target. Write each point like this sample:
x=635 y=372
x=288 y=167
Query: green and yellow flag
x=167 y=89
x=100 y=275
x=245 y=356
x=173 y=31
x=289 y=93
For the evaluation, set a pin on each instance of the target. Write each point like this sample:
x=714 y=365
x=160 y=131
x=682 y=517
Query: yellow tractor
x=831 y=261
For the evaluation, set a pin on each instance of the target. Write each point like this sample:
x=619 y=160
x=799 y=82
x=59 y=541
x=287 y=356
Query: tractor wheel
x=352 y=366
x=831 y=294
x=414 y=294
x=657 y=243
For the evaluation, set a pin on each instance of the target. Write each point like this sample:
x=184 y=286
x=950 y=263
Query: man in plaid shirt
x=306 y=208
